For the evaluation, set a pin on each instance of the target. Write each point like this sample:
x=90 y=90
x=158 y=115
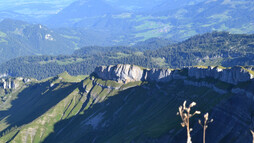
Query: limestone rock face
x=12 y=83
x=8 y=84
x=233 y=75
x=125 y=73
x=159 y=75
x=120 y=73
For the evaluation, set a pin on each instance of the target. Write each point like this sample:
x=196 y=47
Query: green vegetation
x=2 y=34
x=71 y=109
x=18 y=38
x=211 y=49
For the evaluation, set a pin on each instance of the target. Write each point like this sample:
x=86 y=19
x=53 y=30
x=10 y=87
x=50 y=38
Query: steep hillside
x=18 y=38
x=109 y=107
x=217 y=48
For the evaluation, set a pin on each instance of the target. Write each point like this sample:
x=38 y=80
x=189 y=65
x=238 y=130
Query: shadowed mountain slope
x=96 y=110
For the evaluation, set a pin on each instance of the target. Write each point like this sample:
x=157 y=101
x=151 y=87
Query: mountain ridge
x=98 y=110
x=210 y=49
x=19 y=38
x=124 y=73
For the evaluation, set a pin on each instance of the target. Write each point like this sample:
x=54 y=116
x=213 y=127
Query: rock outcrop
x=159 y=75
x=12 y=83
x=120 y=73
x=125 y=73
x=232 y=75
x=3 y=75
x=8 y=84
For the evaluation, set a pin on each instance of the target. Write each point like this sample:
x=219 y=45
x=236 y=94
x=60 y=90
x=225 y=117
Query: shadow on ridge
x=33 y=102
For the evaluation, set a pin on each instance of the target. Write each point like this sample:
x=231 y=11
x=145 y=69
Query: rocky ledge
x=232 y=75
x=124 y=73
x=12 y=83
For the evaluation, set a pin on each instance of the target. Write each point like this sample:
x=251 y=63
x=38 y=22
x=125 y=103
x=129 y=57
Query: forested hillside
x=217 y=48
x=18 y=38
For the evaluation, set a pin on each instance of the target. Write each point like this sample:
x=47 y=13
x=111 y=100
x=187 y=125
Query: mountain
x=122 y=104
x=166 y=6
x=142 y=20
x=13 y=15
x=124 y=23
x=217 y=48
x=87 y=11
x=18 y=38
x=150 y=44
x=223 y=15
x=145 y=5
x=32 y=10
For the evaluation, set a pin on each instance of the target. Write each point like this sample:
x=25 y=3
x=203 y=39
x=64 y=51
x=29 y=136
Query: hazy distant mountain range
x=33 y=9
x=139 y=19
x=171 y=19
x=75 y=24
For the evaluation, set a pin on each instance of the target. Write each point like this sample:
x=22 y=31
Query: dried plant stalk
x=185 y=114
x=252 y=136
x=204 y=125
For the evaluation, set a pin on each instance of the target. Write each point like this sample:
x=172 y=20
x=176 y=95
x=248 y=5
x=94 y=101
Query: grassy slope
x=74 y=111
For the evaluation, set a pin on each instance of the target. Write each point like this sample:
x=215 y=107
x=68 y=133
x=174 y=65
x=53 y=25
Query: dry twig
x=252 y=136
x=185 y=114
x=204 y=125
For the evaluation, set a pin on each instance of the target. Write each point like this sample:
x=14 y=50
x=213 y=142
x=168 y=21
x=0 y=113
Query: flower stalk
x=185 y=115
x=252 y=136
x=204 y=125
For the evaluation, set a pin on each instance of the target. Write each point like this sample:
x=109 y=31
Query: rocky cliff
x=120 y=73
x=12 y=83
x=232 y=75
x=125 y=73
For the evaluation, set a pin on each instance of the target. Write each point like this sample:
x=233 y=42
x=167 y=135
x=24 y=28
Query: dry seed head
x=193 y=104
x=184 y=104
x=197 y=112
x=182 y=124
x=199 y=121
x=206 y=116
